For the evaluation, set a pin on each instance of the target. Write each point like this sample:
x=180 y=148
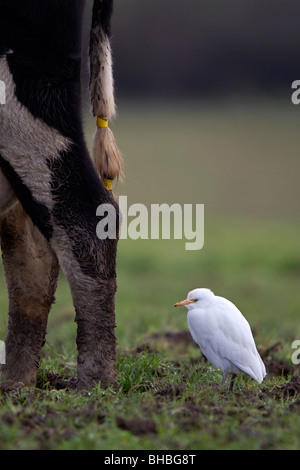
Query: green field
x=242 y=163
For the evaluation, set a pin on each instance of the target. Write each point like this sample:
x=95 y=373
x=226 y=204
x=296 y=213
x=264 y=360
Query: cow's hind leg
x=89 y=264
x=96 y=342
x=31 y=270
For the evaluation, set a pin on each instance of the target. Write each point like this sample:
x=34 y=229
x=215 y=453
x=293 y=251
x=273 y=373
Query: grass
x=167 y=396
x=158 y=405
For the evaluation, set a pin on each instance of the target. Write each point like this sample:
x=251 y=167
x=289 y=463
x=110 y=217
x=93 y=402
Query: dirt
x=171 y=390
x=291 y=388
x=278 y=367
x=175 y=337
x=59 y=382
x=137 y=426
x=274 y=365
x=189 y=415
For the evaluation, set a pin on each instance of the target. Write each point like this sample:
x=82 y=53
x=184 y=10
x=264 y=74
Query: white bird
x=223 y=335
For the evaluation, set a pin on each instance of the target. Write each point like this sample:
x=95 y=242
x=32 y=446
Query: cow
x=50 y=187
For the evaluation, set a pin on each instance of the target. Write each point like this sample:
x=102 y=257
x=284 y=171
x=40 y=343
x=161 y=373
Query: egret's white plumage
x=223 y=334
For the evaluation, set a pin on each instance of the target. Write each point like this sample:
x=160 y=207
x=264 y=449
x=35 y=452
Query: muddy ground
x=189 y=415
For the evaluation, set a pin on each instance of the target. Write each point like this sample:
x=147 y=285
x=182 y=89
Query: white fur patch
x=102 y=83
x=26 y=143
x=107 y=81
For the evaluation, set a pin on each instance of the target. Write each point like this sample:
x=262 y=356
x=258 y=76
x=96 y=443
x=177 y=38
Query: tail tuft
x=106 y=155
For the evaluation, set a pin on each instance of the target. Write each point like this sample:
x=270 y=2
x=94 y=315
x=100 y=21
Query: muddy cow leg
x=31 y=271
x=94 y=304
x=89 y=264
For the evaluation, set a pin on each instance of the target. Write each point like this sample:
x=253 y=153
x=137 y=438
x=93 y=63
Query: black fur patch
x=45 y=40
x=102 y=12
x=49 y=89
x=77 y=192
x=35 y=27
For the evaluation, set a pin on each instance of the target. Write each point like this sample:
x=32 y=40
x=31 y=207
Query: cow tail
x=106 y=156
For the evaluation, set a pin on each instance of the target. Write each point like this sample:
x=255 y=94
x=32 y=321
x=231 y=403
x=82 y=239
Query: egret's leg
x=233 y=376
x=224 y=377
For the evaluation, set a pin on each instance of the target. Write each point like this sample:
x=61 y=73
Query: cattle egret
x=223 y=335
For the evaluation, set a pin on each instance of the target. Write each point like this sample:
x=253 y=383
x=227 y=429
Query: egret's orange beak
x=184 y=302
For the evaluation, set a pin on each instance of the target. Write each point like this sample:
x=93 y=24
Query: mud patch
x=178 y=341
x=171 y=391
x=145 y=348
x=276 y=366
x=190 y=416
x=137 y=426
x=57 y=382
x=43 y=426
x=291 y=388
x=174 y=337
x=295 y=406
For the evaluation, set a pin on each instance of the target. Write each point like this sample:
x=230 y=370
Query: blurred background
x=203 y=90
x=204 y=48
